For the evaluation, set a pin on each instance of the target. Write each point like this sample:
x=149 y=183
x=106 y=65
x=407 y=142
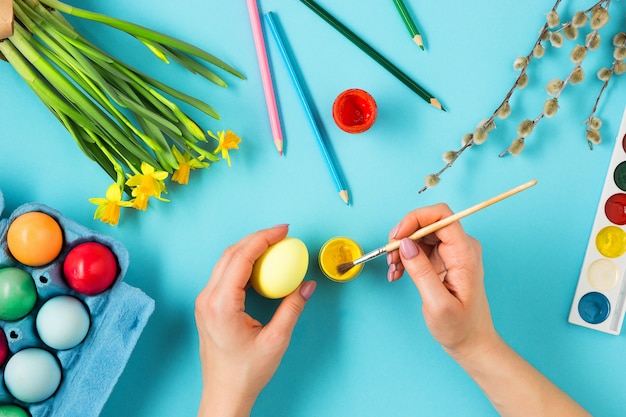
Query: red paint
x=615 y=208
x=624 y=142
x=90 y=268
x=354 y=111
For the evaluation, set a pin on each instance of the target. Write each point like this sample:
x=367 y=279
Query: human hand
x=446 y=267
x=239 y=355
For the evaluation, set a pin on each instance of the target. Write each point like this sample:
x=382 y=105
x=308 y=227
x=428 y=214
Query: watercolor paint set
x=65 y=338
x=600 y=298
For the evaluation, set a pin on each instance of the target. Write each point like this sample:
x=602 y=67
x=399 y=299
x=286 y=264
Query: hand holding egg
x=231 y=341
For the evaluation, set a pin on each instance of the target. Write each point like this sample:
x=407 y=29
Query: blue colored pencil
x=273 y=25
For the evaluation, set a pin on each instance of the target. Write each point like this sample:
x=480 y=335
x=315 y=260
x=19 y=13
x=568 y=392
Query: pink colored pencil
x=266 y=77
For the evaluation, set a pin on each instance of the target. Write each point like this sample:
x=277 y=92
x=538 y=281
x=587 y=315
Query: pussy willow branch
x=567 y=81
x=488 y=124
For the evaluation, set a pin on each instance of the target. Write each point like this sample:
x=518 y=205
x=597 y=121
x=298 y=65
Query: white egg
x=62 y=322
x=32 y=375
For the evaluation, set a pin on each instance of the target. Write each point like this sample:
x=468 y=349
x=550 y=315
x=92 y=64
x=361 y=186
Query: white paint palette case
x=600 y=298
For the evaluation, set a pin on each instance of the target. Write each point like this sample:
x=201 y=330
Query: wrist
x=475 y=351
x=216 y=403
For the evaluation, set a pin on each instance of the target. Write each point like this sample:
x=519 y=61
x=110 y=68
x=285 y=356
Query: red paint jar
x=354 y=111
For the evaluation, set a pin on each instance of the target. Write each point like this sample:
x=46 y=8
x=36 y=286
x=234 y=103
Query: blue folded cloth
x=118 y=316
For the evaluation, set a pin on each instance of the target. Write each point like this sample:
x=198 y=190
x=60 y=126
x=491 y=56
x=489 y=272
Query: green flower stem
x=72 y=120
x=75 y=96
x=193 y=66
x=142 y=32
x=198 y=104
x=49 y=96
x=104 y=60
x=82 y=72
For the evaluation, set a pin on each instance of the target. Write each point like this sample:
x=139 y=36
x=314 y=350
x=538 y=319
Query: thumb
x=290 y=309
x=421 y=271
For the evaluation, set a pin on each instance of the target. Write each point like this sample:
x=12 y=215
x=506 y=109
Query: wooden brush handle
x=426 y=230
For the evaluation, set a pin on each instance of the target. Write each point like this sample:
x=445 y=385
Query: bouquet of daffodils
x=126 y=121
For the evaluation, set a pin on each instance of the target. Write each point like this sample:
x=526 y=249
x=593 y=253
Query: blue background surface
x=361 y=348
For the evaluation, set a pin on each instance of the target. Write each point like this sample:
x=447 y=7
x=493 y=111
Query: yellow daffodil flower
x=227 y=140
x=150 y=183
x=185 y=164
x=108 y=210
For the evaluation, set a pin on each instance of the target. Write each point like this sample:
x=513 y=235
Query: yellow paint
x=337 y=251
x=611 y=242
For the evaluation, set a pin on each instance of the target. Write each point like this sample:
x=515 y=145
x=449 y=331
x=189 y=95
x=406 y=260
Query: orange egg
x=34 y=238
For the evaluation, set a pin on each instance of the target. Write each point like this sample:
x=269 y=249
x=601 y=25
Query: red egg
x=90 y=268
x=4 y=348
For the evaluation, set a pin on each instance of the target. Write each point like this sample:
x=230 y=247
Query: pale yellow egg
x=279 y=271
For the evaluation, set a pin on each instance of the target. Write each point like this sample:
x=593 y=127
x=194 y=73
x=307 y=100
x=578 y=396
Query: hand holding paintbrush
x=424 y=231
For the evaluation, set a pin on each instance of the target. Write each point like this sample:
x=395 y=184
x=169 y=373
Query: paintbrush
x=424 y=231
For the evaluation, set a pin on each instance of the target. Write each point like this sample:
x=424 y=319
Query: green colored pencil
x=410 y=24
x=384 y=62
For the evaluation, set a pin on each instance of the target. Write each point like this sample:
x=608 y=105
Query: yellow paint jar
x=337 y=251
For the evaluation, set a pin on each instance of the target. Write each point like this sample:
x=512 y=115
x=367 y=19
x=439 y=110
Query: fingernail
x=389 y=258
x=408 y=248
x=281 y=225
x=390 y=275
x=395 y=231
x=307 y=289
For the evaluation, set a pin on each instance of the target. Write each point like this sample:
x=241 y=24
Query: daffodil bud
x=539 y=51
x=594 y=123
x=480 y=135
x=619 y=53
x=604 y=74
x=580 y=19
x=553 y=18
x=556 y=39
x=550 y=107
x=619 y=67
x=593 y=40
x=431 y=180
x=577 y=75
x=525 y=128
x=554 y=86
x=599 y=18
x=578 y=54
x=516 y=147
x=593 y=136
x=570 y=32
x=522 y=81
x=520 y=63
x=449 y=156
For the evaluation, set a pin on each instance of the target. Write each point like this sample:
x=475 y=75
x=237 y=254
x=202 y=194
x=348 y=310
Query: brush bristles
x=343 y=268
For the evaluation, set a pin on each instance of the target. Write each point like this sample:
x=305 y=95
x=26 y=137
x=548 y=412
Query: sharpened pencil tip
x=344 y=196
x=419 y=41
x=435 y=103
x=279 y=146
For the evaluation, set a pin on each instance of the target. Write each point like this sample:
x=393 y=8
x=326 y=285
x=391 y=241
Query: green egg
x=18 y=294
x=10 y=410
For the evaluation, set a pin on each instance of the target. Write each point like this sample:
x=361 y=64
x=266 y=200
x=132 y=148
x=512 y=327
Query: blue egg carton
x=118 y=316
